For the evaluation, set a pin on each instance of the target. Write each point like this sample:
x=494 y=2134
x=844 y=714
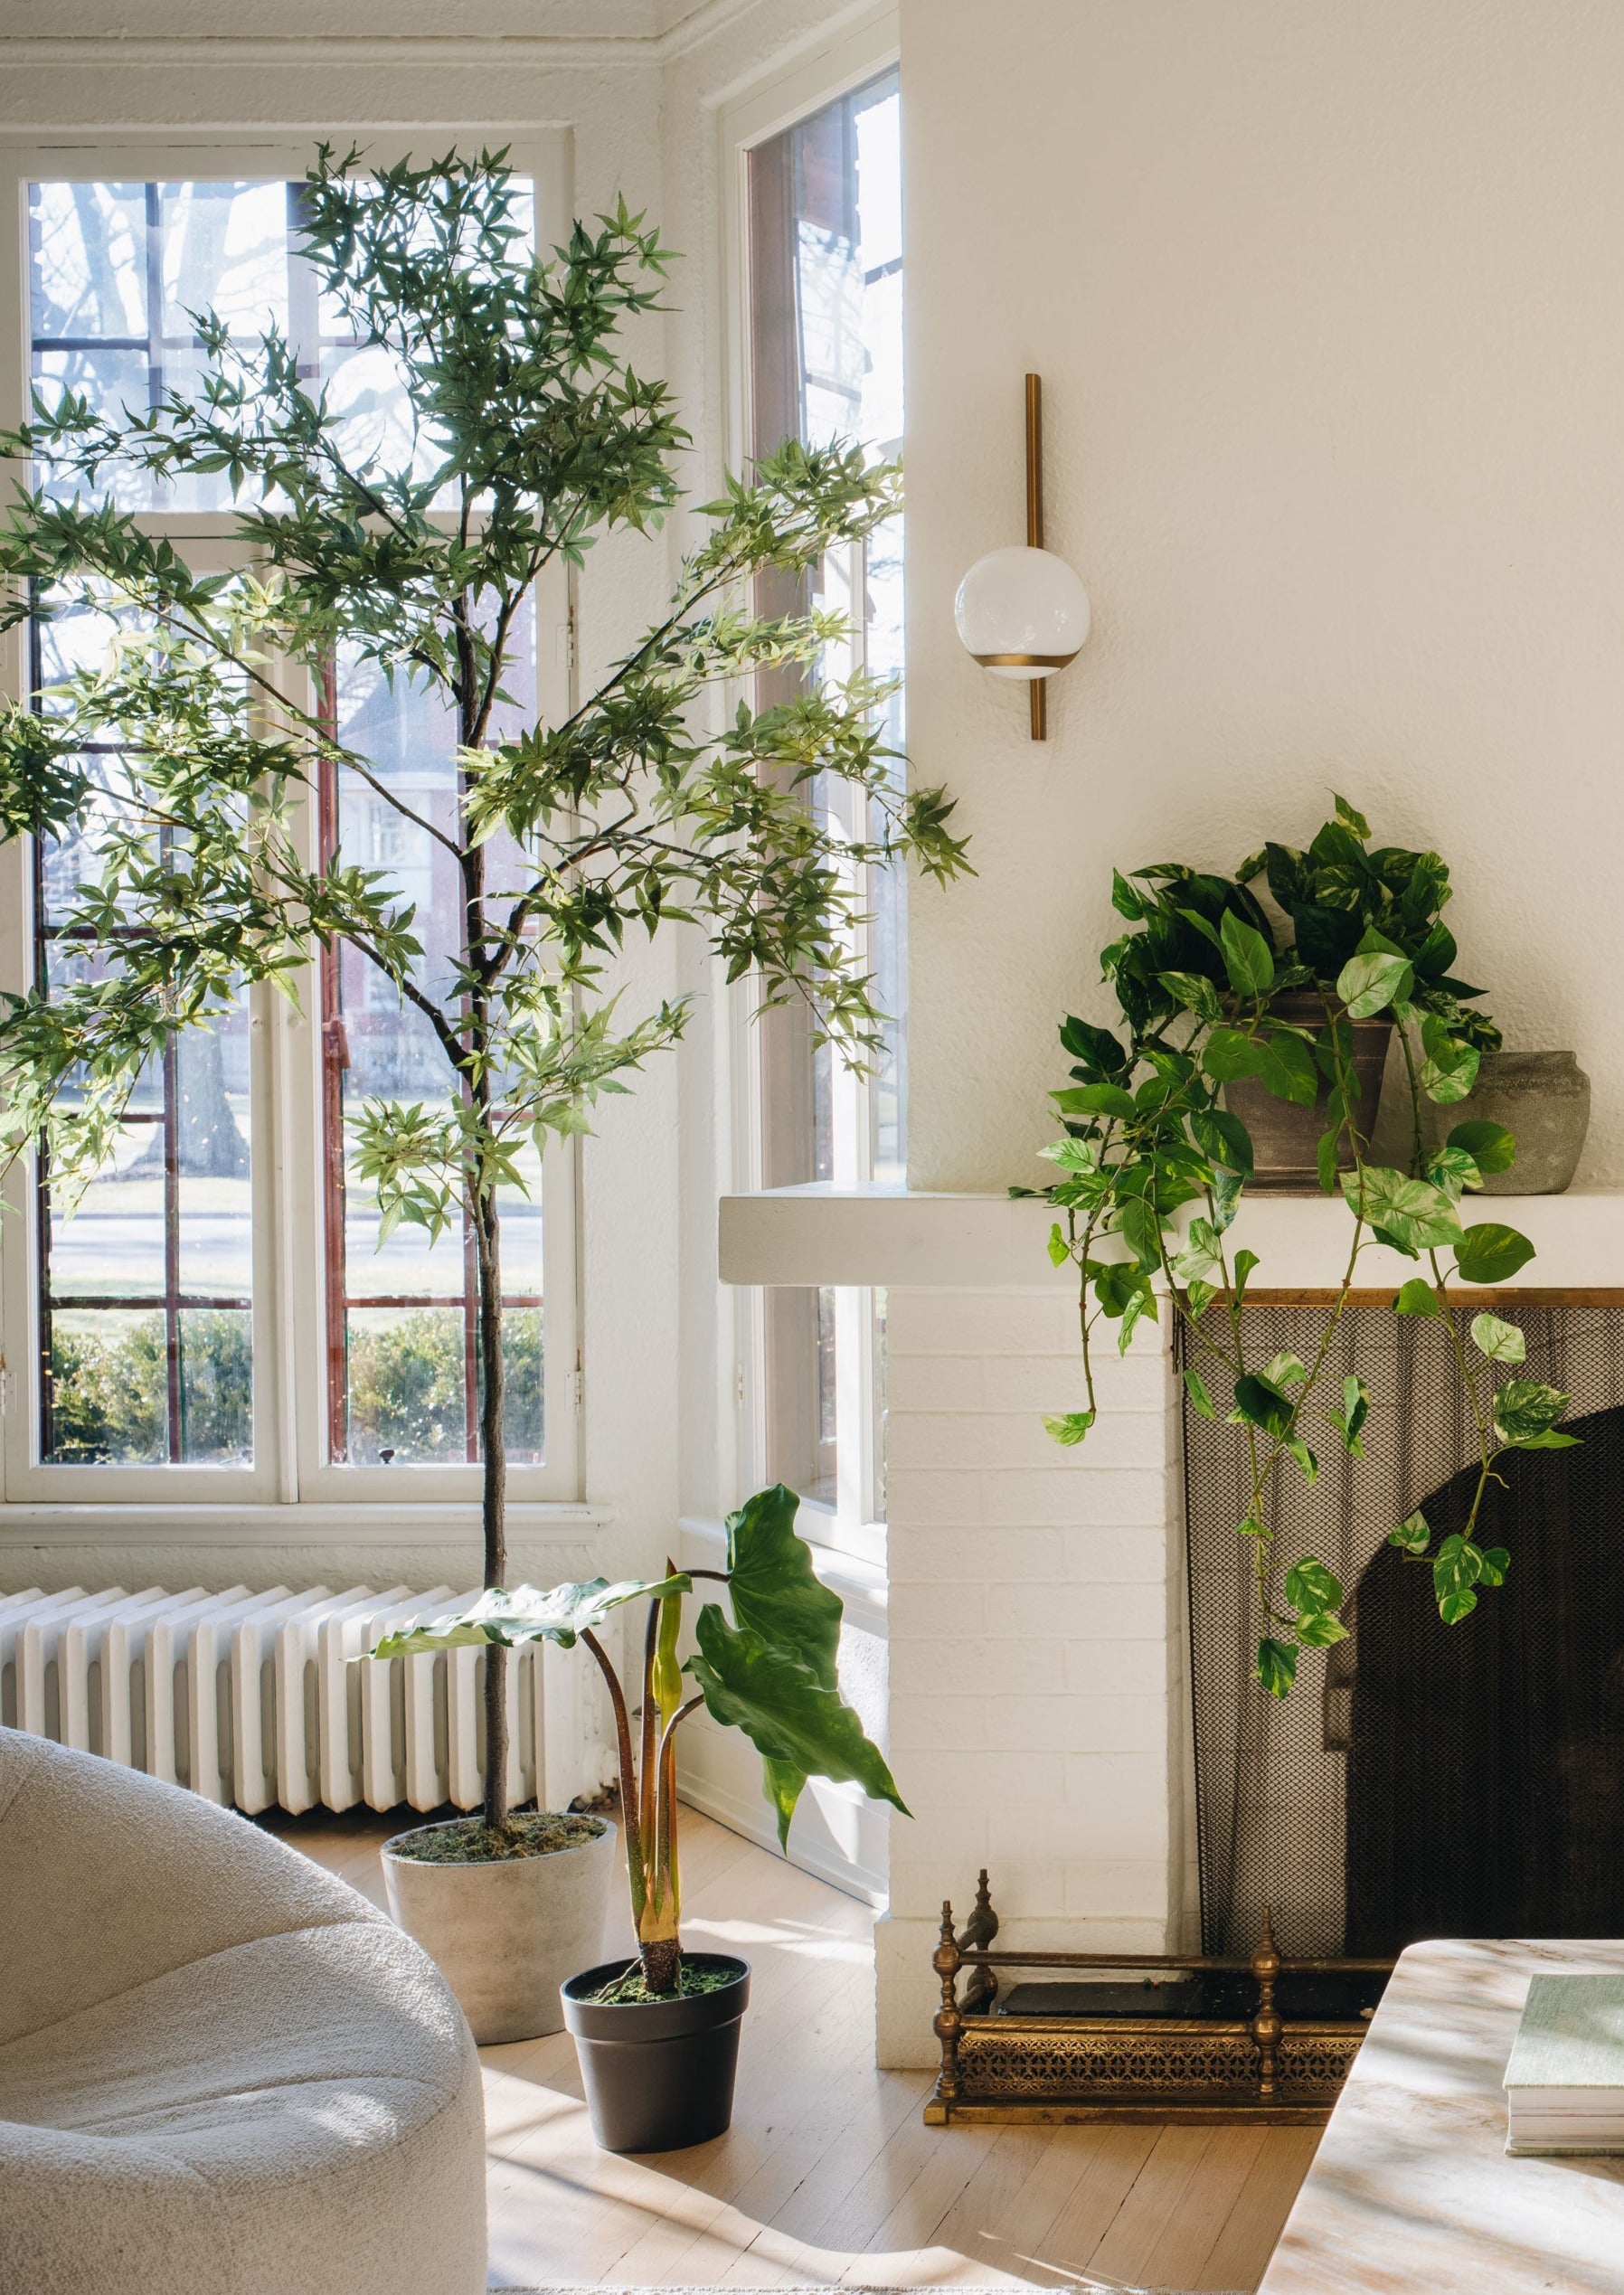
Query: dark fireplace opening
x=1486 y=1761
x=1422 y=1780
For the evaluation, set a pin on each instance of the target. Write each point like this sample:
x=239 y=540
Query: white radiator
x=263 y=1698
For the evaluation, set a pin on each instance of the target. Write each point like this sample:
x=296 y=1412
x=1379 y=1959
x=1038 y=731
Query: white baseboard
x=753 y=1821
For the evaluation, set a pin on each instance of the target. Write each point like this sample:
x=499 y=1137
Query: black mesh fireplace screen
x=1422 y=1780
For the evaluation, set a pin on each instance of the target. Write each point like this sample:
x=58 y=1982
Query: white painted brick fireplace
x=1035 y=1644
x=1038 y=1638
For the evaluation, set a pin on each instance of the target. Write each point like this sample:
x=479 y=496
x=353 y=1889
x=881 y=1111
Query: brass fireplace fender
x=1260 y=2070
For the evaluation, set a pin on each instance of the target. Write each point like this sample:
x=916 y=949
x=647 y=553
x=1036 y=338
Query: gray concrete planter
x=1544 y=1098
x=505 y=1935
x=1285 y=1137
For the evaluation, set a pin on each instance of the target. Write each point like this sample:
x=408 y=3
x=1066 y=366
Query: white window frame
x=290 y=1464
x=852 y=1525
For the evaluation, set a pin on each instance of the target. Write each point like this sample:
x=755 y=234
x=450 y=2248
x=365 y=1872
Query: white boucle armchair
x=222 y=2072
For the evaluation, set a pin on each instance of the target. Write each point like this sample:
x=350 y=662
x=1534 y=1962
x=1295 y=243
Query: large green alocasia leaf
x=794 y=1722
x=776 y=1592
x=525 y=1613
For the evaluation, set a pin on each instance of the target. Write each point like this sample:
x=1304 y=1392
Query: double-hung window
x=214 y=1318
x=824 y=259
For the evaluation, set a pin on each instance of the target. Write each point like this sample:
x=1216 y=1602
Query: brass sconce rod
x=1038 y=688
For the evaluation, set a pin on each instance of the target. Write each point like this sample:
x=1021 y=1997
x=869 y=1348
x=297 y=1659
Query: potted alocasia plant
x=201 y=765
x=658 y=2032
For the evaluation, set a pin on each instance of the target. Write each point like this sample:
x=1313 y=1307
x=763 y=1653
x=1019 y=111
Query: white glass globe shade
x=1023 y=613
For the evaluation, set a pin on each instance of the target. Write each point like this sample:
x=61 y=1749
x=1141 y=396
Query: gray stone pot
x=505 y=1935
x=1544 y=1099
x=1285 y=1137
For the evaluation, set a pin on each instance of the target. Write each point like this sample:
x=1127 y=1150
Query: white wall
x=1329 y=308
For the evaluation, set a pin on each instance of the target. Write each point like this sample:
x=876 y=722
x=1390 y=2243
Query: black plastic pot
x=658 y=2074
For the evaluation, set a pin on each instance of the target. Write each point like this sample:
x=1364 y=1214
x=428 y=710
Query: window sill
x=861 y=1585
x=37 y=1522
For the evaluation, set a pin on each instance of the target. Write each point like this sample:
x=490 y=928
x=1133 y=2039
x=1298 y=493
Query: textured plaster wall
x=1330 y=309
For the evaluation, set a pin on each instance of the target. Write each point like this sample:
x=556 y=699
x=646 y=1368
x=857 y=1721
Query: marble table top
x=1410 y=2187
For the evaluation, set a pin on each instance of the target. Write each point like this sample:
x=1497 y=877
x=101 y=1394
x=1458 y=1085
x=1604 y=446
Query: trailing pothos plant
x=1212 y=989
x=769 y=1671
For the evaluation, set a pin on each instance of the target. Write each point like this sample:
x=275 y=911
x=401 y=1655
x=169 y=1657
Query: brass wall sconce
x=1024 y=613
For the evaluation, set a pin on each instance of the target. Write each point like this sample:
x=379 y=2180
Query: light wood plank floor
x=827 y=2175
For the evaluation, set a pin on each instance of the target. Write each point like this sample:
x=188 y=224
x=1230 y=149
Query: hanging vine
x=1154 y=1166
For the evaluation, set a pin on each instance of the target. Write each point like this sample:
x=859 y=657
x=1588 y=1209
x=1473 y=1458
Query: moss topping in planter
x=630 y=1990
x=468 y=1840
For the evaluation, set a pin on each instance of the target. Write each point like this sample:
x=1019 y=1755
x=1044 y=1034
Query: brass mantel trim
x=1245 y=2112
x=1502 y=1295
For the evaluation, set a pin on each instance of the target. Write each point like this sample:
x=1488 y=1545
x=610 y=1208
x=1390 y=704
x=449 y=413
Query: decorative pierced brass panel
x=1035 y=2059
x=1316 y=2061
x=1012 y=2056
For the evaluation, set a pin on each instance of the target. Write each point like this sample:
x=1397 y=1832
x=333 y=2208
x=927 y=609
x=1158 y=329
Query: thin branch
x=174 y=617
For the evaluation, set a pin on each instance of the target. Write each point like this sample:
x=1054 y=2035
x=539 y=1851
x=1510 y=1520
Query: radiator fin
x=262 y=1700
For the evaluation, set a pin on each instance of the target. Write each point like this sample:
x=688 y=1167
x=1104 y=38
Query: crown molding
x=231 y=51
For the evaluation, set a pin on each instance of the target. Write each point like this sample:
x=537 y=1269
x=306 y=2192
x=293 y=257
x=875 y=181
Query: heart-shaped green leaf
x=1416 y=1297
x=1194 y=991
x=1525 y=1408
x=1489 y=1253
x=1368 y=984
x=1501 y=1342
x=1227 y=1055
x=1224 y=1139
x=1285 y=1067
x=1490 y=1146
x=1277 y=1666
x=1262 y=1405
x=1095 y=1100
x=1416 y=1215
x=1310 y=1586
x=1413 y=1534
x=1247 y=956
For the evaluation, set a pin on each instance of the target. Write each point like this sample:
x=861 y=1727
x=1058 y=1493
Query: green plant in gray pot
x=1544 y=1099
x=658 y=2034
x=1157 y=1162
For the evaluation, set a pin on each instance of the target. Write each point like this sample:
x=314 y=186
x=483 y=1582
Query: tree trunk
x=488 y=1244
x=208 y=1142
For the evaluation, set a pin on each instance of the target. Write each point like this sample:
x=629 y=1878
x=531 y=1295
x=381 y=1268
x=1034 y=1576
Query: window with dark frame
x=403 y=1351
x=146 y=1283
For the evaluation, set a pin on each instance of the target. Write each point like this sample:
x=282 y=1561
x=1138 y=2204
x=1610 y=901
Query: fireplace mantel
x=911 y=1239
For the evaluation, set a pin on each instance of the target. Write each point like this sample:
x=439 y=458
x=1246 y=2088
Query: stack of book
x=1565 y=2084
